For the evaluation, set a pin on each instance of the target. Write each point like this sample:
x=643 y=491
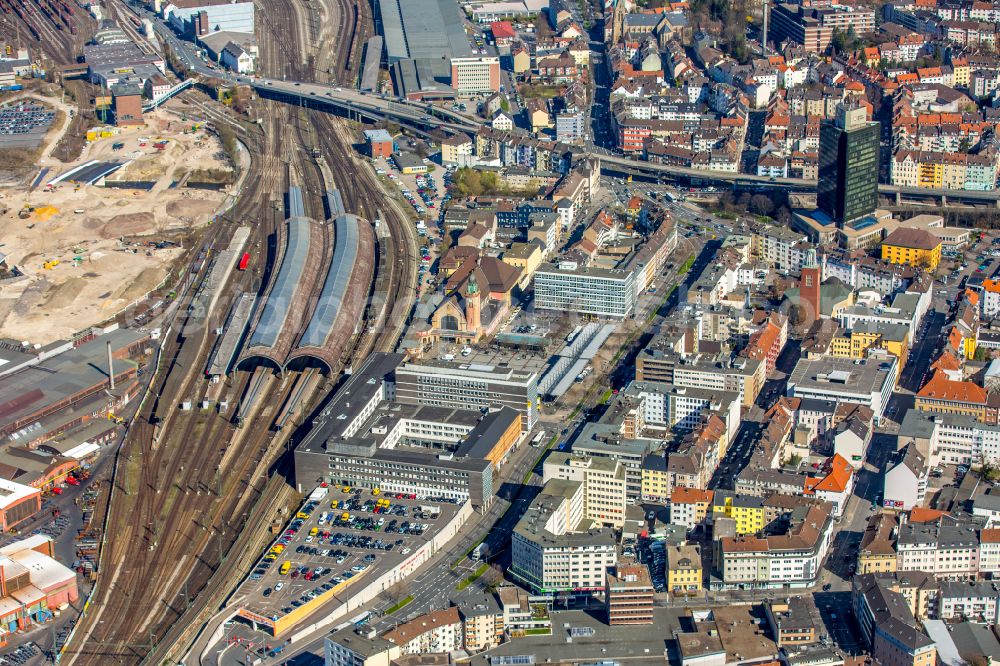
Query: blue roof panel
x=345 y=255
x=293 y=263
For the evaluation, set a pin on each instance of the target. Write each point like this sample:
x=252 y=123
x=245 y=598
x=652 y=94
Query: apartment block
x=603 y=482
x=554 y=547
x=661 y=361
x=790 y=560
x=888 y=624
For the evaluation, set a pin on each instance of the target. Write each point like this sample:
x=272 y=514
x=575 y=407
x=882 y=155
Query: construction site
x=96 y=236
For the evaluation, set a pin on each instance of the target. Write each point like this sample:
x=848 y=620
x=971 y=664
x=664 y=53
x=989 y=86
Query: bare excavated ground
x=88 y=252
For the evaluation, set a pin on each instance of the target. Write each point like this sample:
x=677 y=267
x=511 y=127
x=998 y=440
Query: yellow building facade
x=655 y=480
x=684 y=572
x=912 y=247
x=747 y=512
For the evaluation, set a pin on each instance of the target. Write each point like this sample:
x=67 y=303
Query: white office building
x=599 y=292
x=952 y=439
x=685 y=408
x=473 y=76
x=866 y=381
x=603 y=482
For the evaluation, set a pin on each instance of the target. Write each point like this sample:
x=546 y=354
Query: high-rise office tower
x=848 y=165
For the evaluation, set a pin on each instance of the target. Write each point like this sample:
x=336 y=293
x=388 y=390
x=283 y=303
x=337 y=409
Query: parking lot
x=426 y=194
x=339 y=536
x=24 y=122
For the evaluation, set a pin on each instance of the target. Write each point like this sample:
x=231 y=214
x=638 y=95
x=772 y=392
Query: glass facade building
x=848 y=168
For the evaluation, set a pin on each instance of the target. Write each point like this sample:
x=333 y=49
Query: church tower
x=473 y=312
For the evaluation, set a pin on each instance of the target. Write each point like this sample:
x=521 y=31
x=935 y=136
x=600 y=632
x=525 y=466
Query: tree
x=398 y=591
x=241 y=99
x=490 y=181
x=925 y=262
x=228 y=138
x=493 y=577
x=761 y=204
x=845 y=42
x=797 y=315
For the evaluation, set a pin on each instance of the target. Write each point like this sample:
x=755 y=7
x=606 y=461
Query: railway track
x=180 y=495
x=58 y=27
x=185 y=497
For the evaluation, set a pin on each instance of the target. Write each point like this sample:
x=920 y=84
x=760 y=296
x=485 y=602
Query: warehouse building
x=32 y=585
x=107 y=64
x=422 y=30
x=201 y=17
x=18 y=502
x=421 y=38
x=61 y=388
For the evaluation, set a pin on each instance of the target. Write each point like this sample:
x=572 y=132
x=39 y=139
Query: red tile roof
x=502 y=29
x=761 y=342
x=990 y=536
x=919 y=514
x=691 y=496
x=940 y=387
x=946 y=362
x=838 y=478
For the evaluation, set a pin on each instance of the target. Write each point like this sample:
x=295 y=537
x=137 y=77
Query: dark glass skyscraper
x=848 y=165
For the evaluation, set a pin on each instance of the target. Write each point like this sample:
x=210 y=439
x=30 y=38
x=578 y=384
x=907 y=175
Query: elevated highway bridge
x=424 y=118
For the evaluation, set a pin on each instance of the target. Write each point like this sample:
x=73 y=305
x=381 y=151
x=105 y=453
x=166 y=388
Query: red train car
x=244 y=261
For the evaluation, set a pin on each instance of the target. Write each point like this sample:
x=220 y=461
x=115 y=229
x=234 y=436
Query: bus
x=670 y=197
x=537 y=441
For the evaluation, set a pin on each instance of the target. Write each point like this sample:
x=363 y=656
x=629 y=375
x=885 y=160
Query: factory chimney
x=111 y=367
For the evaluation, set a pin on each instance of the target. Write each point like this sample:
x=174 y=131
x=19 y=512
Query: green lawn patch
x=474 y=577
x=399 y=604
x=686 y=266
x=606 y=396
x=538 y=631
